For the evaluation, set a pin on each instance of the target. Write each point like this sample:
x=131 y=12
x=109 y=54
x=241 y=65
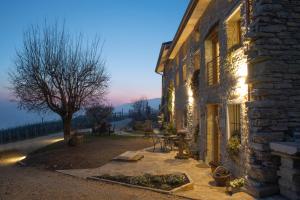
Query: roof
x=162 y=56
x=187 y=25
x=191 y=17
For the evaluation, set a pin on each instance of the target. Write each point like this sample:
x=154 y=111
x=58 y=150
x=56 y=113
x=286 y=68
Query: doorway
x=212 y=132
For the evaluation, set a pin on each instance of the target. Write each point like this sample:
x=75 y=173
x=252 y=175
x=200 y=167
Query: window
x=233 y=29
x=234 y=115
x=212 y=58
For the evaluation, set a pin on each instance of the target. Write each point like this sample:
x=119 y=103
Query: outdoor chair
x=157 y=139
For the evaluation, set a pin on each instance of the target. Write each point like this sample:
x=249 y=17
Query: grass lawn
x=94 y=152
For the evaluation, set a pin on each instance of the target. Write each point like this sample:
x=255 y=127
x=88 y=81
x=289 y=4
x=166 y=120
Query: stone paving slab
x=129 y=156
x=162 y=163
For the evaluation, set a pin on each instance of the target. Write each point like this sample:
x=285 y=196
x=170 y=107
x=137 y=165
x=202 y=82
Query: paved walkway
x=162 y=163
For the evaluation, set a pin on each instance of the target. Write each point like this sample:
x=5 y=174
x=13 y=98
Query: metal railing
x=213 y=71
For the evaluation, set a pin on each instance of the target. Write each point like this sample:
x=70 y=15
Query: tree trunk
x=67 y=128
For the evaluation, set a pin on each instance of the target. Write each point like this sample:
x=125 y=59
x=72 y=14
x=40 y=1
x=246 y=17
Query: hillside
x=153 y=103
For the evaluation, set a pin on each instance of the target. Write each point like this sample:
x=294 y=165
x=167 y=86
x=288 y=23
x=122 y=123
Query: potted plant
x=235 y=185
x=234 y=144
x=221 y=176
x=213 y=165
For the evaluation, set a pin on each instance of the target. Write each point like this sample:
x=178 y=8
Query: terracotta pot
x=221 y=176
x=213 y=166
x=222 y=180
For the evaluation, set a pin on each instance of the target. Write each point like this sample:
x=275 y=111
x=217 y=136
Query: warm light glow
x=190 y=95
x=57 y=140
x=242 y=73
x=242 y=70
x=173 y=102
x=11 y=160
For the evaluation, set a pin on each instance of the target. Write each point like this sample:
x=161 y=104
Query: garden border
x=187 y=186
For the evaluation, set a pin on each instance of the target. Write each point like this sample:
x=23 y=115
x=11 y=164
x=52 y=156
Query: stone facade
x=258 y=43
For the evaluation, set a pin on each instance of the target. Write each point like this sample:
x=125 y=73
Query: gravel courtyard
x=27 y=183
x=36 y=181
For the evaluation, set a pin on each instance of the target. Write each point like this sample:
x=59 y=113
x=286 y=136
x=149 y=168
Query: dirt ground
x=95 y=152
x=27 y=183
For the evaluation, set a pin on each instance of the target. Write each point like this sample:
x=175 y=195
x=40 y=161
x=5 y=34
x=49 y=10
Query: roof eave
x=159 y=63
x=195 y=10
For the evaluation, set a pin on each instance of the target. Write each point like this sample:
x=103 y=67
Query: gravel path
x=30 y=183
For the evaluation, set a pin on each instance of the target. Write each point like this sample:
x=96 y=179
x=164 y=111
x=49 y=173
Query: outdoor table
x=169 y=141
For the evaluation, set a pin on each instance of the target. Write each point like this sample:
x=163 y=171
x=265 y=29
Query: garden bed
x=167 y=183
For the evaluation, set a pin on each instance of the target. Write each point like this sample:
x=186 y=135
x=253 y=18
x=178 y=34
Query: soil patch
x=94 y=152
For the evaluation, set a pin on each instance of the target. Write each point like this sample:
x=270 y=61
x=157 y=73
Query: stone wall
x=270 y=44
x=219 y=94
x=209 y=95
x=274 y=75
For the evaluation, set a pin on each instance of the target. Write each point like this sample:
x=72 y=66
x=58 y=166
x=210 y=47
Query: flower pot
x=221 y=176
x=221 y=180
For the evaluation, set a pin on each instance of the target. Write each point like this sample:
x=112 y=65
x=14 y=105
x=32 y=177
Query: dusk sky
x=133 y=31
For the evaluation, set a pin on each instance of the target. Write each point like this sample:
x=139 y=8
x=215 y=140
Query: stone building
x=232 y=75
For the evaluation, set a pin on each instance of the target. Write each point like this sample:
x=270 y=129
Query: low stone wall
x=289 y=171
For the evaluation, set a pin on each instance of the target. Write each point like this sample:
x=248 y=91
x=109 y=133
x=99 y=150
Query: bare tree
x=141 y=109
x=98 y=113
x=57 y=72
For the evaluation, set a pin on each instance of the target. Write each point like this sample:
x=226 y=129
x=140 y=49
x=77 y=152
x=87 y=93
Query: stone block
x=288 y=175
x=289 y=148
x=259 y=147
x=263 y=174
x=262 y=190
x=266 y=137
x=287 y=162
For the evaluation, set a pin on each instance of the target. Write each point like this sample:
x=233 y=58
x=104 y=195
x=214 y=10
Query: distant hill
x=153 y=103
x=12 y=116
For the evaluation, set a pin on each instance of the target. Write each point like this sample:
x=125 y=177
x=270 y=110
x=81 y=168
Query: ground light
x=11 y=157
x=12 y=160
x=56 y=140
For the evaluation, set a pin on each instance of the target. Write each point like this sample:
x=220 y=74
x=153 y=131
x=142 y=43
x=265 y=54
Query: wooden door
x=212 y=131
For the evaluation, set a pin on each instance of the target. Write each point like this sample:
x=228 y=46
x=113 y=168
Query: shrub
x=233 y=146
x=237 y=183
x=176 y=179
